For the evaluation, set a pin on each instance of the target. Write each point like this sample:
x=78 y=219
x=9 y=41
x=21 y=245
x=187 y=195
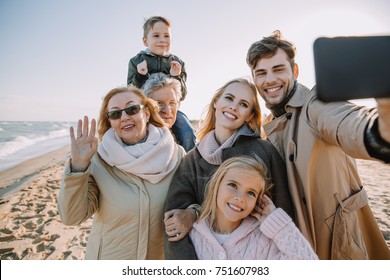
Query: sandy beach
x=30 y=227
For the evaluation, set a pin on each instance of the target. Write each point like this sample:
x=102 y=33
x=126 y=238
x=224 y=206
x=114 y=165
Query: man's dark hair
x=268 y=46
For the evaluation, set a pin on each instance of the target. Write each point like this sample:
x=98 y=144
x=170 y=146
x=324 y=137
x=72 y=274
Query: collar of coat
x=148 y=52
x=279 y=109
x=297 y=99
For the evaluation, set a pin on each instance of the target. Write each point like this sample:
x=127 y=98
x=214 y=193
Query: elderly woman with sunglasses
x=123 y=180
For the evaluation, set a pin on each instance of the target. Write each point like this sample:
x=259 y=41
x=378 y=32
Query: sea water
x=20 y=141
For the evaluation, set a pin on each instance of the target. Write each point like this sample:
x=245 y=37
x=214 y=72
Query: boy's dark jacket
x=155 y=64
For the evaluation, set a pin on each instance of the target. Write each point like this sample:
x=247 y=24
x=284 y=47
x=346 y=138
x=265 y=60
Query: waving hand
x=84 y=146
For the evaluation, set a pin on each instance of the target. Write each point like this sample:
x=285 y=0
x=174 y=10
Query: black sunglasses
x=132 y=110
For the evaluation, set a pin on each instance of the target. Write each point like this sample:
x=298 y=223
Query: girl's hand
x=175 y=69
x=263 y=208
x=84 y=146
x=142 y=68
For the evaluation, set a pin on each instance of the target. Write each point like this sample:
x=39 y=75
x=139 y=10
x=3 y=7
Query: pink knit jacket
x=276 y=238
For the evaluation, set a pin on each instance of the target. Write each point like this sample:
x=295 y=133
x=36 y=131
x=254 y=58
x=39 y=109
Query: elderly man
x=167 y=92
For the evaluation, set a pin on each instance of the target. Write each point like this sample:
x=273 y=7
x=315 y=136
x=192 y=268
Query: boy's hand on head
x=263 y=208
x=175 y=69
x=142 y=68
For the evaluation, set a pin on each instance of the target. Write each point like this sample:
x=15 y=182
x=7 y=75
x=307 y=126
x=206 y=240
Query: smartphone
x=352 y=67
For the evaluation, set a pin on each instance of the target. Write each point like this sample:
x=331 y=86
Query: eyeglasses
x=132 y=110
x=171 y=105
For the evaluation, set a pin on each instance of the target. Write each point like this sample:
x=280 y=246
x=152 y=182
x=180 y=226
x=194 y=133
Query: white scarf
x=151 y=160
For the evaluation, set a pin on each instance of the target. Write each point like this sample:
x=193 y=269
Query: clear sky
x=58 y=58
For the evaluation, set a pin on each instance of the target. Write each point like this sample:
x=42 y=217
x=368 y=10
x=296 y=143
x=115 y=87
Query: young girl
x=239 y=221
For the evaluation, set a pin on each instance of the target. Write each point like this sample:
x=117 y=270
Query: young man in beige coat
x=319 y=142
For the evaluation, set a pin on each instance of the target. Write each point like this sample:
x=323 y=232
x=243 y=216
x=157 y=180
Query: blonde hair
x=209 y=205
x=150 y=104
x=208 y=122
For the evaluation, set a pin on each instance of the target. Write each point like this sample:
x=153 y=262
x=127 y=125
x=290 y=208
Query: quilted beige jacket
x=127 y=211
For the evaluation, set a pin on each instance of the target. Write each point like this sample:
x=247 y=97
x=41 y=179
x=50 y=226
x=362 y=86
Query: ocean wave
x=21 y=142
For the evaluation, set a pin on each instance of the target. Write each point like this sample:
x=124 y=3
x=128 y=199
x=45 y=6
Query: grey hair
x=160 y=80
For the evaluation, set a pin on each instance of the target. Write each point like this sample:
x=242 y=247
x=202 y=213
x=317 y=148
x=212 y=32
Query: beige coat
x=128 y=211
x=319 y=143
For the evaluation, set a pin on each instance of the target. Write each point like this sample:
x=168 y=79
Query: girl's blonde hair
x=150 y=104
x=209 y=206
x=208 y=122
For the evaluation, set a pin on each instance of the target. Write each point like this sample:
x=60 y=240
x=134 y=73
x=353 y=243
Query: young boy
x=156 y=58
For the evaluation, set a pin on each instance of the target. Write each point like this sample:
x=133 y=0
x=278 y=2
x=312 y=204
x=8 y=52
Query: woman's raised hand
x=84 y=146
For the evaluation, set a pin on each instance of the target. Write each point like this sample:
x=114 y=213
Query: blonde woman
x=231 y=127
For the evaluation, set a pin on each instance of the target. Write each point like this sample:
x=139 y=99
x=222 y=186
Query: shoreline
x=26 y=169
x=30 y=227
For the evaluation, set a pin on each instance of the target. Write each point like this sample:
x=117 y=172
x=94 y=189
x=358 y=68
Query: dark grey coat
x=189 y=181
